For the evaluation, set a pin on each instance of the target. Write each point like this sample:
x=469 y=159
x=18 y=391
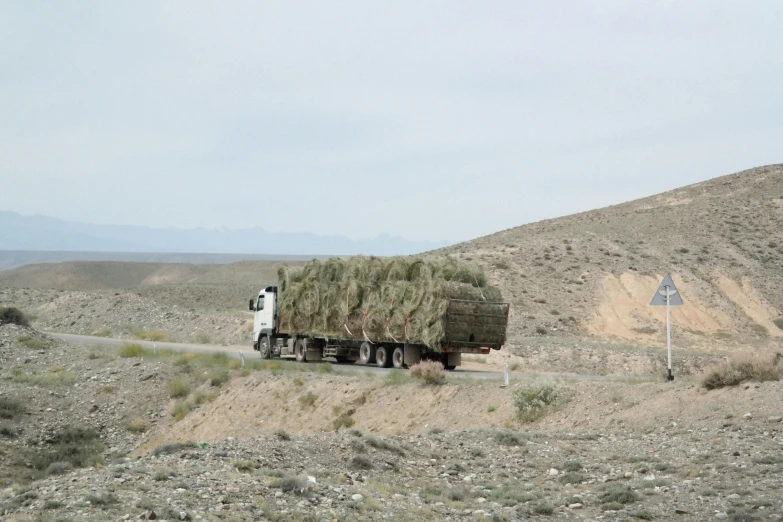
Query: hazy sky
x=431 y=120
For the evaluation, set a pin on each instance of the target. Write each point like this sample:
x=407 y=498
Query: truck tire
x=367 y=353
x=263 y=348
x=398 y=357
x=300 y=349
x=383 y=357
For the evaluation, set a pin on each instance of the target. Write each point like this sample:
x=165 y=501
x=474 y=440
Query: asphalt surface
x=246 y=352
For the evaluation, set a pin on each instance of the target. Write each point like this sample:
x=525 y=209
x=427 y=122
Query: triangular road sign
x=659 y=299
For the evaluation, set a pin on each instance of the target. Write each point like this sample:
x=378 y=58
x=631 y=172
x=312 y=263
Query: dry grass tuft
x=744 y=368
x=431 y=372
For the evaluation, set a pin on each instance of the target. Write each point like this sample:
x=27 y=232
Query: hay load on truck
x=384 y=311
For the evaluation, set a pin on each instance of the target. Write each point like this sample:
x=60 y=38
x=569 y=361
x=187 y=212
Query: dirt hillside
x=593 y=274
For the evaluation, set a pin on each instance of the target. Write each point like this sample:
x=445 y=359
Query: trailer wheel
x=383 y=357
x=398 y=357
x=301 y=350
x=263 y=348
x=367 y=353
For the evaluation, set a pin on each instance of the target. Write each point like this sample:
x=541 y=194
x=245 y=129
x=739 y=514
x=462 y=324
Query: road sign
x=667 y=295
x=666 y=287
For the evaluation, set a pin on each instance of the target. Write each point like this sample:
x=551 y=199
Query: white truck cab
x=265 y=316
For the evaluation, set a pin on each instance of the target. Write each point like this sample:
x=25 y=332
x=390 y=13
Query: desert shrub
x=431 y=372
x=131 y=350
x=44 y=380
x=361 y=462
x=181 y=410
x=167 y=449
x=779 y=323
x=59 y=468
x=79 y=447
x=11 y=315
x=7 y=430
x=543 y=508
x=383 y=444
x=10 y=407
x=245 y=465
x=617 y=493
x=104 y=500
x=343 y=421
x=34 y=343
x=203 y=338
x=573 y=465
x=643 y=515
x=282 y=435
x=741 y=369
x=358 y=446
x=178 y=387
x=537 y=399
x=102 y=332
x=541 y=330
x=292 y=484
x=509 y=438
x=138 y=425
x=458 y=494
x=308 y=400
x=219 y=378
x=571 y=477
x=759 y=330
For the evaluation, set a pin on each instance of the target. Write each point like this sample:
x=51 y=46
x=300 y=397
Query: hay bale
x=398 y=299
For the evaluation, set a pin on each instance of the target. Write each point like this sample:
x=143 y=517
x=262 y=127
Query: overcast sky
x=430 y=120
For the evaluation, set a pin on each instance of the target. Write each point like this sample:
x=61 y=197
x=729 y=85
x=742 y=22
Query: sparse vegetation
x=138 y=425
x=383 y=444
x=282 y=435
x=203 y=338
x=131 y=350
x=11 y=407
x=178 y=387
x=343 y=421
x=744 y=368
x=431 y=372
x=12 y=315
x=78 y=447
x=34 y=343
x=44 y=380
x=308 y=400
x=168 y=449
x=535 y=400
x=102 y=332
x=779 y=322
x=219 y=378
x=362 y=462
x=509 y=438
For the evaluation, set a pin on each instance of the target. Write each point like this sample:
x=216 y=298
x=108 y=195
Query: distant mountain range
x=42 y=233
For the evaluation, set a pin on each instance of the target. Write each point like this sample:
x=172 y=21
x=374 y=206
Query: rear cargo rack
x=472 y=324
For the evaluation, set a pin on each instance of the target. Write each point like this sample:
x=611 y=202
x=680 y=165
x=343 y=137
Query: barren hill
x=594 y=273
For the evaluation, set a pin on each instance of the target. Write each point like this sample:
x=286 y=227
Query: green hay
x=402 y=299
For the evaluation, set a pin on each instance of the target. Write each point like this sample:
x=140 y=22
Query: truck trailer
x=390 y=312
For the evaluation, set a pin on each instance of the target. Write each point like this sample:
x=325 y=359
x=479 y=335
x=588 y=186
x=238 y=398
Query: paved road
x=248 y=353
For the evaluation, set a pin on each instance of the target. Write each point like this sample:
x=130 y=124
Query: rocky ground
x=613 y=451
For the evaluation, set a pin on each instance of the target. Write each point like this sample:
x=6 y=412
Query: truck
x=329 y=315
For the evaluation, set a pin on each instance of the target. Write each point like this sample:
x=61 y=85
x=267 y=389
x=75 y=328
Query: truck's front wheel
x=301 y=350
x=264 y=349
x=367 y=353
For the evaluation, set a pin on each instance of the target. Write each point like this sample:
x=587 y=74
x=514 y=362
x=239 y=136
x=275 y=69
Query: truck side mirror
x=252 y=307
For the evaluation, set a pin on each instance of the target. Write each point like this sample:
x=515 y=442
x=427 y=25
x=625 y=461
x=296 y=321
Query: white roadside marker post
x=242 y=358
x=669 y=333
x=505 y=374
x=667 y=295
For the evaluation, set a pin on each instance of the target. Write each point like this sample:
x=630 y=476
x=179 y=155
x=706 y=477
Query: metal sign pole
x=669 y=334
